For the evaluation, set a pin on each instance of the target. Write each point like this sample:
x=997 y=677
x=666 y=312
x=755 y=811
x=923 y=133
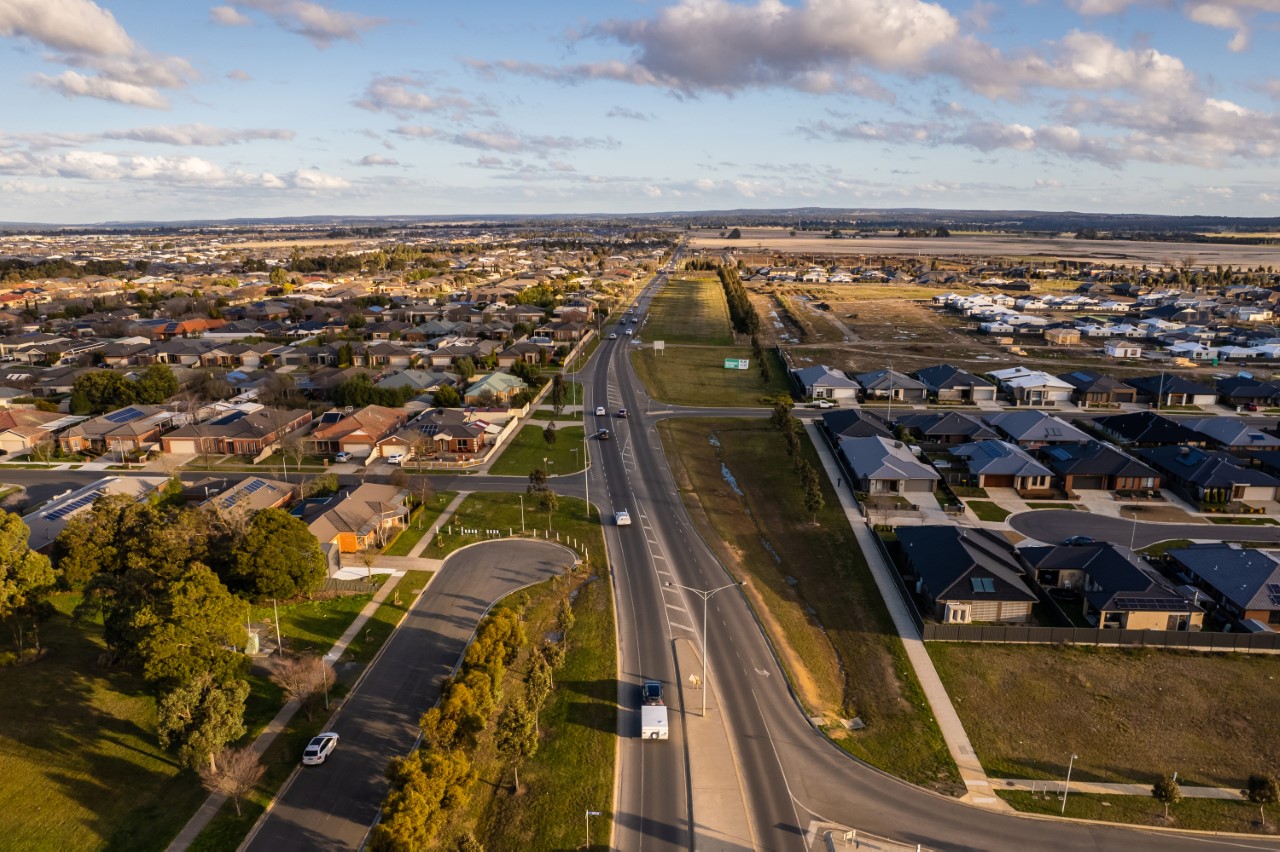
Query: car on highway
x=628 y=332
x=602 y=435
x=395 y=458
x=343 y=456
x=622 y=518
x=600 y=411
x=613 y=335
x=651 y=693
x=320 y=747
x=1074 y=540
x=622 y=412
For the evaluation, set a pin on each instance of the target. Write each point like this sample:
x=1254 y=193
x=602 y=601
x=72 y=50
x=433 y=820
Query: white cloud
x=507 y=141
x=229 y=16
x=314 y=180
x=1235 y=15
x=83 y=35
x=239 y=75
x=73 y=84
x=1048 y=183
x=634 y=115
x=196 y=135
x=378 y=160
x=318 y=23
x=404 y=95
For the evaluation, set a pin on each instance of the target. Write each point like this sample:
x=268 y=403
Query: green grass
x=843 y=660
x=1130 y=714
x=1159 y=548
x=384 y=620
x=1245 y=522
x=693 y=312
x=313 y=626
x=566 y=418
x=419 y=523
x=527 y=449
x=969 y=491
x=988 y=511
x=695 y=375
x=501 y=511
x=78 y=751
x=1069 y=506
x=1189 y=814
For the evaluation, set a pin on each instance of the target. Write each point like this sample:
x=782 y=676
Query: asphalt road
x=1054 y=525
x=791 y=774
x=332 y=806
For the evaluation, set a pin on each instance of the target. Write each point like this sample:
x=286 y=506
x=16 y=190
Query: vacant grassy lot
x=311 y=627
x=78 y=751
x=1130 y=715
x=528 y=448
x=421 y=521
x=988 y=511
x=688 y=311
x=1189 y=814
x=501 y=511
x=845 y=659
x=695 y=375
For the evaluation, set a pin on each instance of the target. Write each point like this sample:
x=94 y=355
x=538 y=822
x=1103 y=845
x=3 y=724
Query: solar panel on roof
x=124 y=415
x=982 y=584
x=1147 y=604
x=76 y=504
x=1273 y=593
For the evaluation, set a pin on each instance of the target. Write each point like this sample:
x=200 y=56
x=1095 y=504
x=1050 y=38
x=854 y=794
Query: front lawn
x=988 y=511
x=421 y=520
x=528 y=448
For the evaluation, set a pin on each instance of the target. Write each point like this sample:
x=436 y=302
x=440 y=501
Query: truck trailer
x=653 y=722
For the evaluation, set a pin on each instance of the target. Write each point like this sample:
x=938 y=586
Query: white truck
x=653 y=722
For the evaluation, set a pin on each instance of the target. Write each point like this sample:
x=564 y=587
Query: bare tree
x=303 y=678
x=238 y=771
x=294 y=448
x=420 y=486
x=369 y=556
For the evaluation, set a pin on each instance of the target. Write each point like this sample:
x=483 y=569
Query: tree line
x=810 y=483
x=741 y=312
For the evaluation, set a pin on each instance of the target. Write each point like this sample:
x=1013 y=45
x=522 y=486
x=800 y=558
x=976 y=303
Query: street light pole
x=1133 y=534
x=1066 y=789
x=706 y=656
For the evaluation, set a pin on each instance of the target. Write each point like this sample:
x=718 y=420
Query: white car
x=320 y=747
x=824 y=403
x=622 y=519
x=613 y=335
x=600 y=412
x=343 y=456
x=395 y=458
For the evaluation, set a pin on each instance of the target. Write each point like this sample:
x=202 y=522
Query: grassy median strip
x=1189 y=814
x=1130 y=714
x=421 y=521
x=812 y=589
x=527 y=450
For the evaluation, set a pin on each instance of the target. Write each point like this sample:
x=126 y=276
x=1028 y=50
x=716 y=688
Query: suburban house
x=494 y=388
x=1244 y=583
x=1242 y=390
x=883 y=466
x=1033 y=429
x=122 y=431
x=965 y=574
x=22 y=429
x=1033 y=387
x=1097 y=466
x=997 y=464
x=946 y=383
x=369 y=516
x=356 y=432
x=1119 y=591
x=1229 y=433
x=1165 y=389
x=855 y=423
x=1095 y=389
x=1210 y=477
x=251 y=495
x=47 y=522
x=1149 y=429
x=1121 y=348
x=891 y=385
x=946 y=427
x=439 y=432
x=236 y=433
x=823 y=382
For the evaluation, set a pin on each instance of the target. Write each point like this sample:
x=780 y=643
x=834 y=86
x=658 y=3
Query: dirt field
x=978 y=248
x=1130 y=714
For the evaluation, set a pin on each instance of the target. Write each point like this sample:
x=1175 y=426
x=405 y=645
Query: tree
x=302 y=679
x=464 y=367
x=98 y=391
x=735 y=234
x=277 y=558
x=201 y=717
x=538 y=682
x=26 y=579
x=426 y=786
x=234 y=772
x=813 y=499
x=558 y=395
x=369 y=556
x=279 y=276
x=516 y=735
x=564 y=616
x=1167 y=791
x=156 y=385
x=293 y=448
x=549 y=501
x=781 y=417
x=1262 y=789
x=447 y=396
x=549 y=435
x=537 y=481
x=189 y=626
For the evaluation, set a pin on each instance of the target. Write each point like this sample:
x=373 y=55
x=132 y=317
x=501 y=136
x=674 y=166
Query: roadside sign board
x=737 y=363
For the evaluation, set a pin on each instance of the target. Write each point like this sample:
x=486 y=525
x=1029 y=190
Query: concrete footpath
x=971 y=771
x=720 y=821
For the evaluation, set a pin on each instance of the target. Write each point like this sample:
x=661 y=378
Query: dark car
x=651 y=693
x=1078 y=539
x=622 y=412
x=602 y=435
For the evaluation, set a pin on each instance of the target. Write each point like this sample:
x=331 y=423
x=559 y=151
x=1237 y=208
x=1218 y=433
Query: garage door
x=183 y=448
x=986 y=610
x=1087 y=483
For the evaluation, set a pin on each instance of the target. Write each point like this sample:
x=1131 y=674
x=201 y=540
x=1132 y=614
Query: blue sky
x=129 y=109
